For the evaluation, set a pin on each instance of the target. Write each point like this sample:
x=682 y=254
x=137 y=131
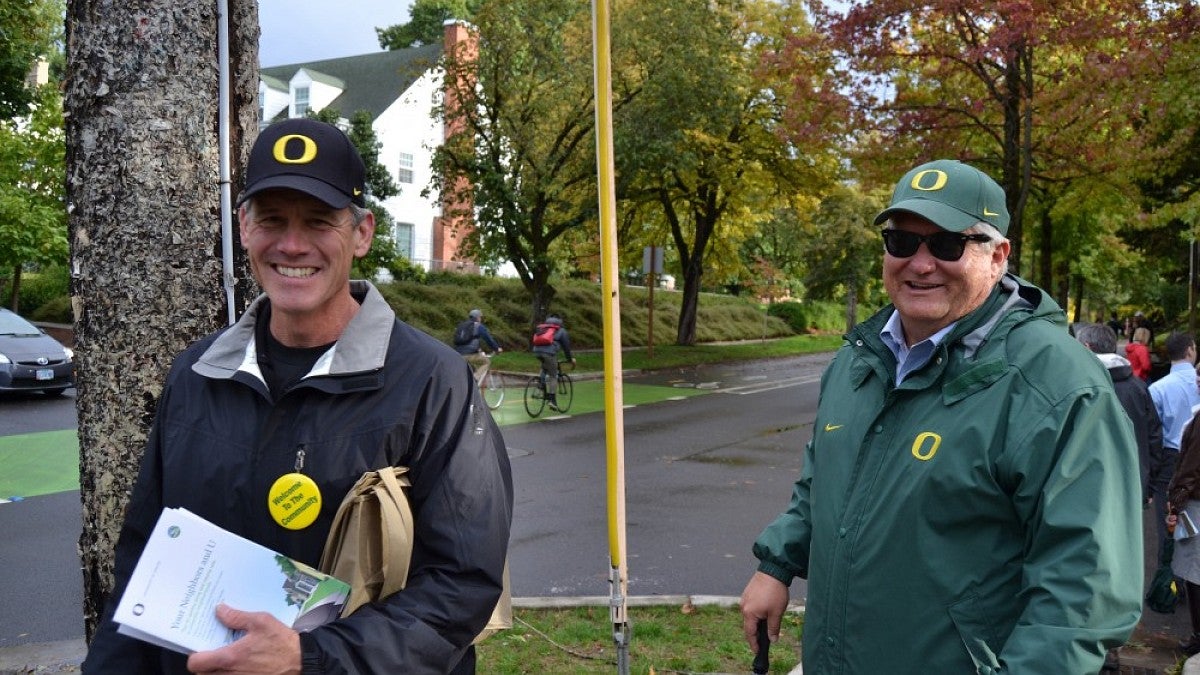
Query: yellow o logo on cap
x=280 y=150
x=937 y=184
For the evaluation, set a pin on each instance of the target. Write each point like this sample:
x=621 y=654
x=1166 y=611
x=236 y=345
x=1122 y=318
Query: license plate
x=44 y=374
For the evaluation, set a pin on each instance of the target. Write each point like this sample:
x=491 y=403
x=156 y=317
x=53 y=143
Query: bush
x=792 y=313
x=39 y=288
x=57 y=310
x=830 y=317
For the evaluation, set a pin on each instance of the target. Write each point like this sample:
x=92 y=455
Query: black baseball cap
x=312 y=157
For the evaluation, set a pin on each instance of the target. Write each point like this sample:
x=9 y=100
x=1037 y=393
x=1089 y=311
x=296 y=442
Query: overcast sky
x=294 y=31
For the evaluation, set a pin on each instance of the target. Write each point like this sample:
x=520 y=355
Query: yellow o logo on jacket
x=938 y=183
x=280 y=150
x=919 y=449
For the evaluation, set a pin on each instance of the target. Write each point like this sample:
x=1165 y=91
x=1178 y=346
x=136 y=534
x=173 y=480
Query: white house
x=399 y=90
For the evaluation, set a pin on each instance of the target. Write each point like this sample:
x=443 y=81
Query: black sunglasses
x=948 y=246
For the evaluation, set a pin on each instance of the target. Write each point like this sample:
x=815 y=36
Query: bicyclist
x=548 y=355
x=472 y=349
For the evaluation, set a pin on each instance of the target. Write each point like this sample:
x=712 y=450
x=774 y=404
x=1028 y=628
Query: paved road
x=40 y=580
x=703 y=475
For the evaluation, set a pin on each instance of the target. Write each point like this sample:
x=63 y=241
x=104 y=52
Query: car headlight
x=69 y=354
x=4 y=359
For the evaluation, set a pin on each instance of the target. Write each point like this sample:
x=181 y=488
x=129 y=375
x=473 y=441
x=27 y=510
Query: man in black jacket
x=1134 y=395
x=1135 y=399
x=316 y=384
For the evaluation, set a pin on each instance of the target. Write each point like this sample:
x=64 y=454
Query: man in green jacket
x=969 y=501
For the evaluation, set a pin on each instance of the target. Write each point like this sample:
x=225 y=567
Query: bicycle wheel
x=493 y=390
x=535 y=401
x=566 y=391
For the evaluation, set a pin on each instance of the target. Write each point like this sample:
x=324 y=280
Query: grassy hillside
x=436 y=305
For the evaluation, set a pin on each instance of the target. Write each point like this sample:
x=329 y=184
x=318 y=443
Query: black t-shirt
x=282 y=366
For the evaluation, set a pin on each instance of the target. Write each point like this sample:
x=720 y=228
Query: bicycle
x=535 y=391
x=491 y=386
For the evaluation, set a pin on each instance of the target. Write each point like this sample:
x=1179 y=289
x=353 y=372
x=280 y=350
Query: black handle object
x=762 y=663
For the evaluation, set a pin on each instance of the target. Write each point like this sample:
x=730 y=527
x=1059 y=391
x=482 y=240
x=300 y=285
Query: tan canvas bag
x=370 y=544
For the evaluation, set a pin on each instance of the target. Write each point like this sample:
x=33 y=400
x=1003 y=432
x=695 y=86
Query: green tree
x=845 y=250
x=426 y=20
x=702 y=142
x=379 y=186
x=1163 y=234
x=520 y=161
x=32 y=143
x=30 y=29
x=33 y=215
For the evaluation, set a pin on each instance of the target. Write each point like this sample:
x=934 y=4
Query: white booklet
x=190 y=565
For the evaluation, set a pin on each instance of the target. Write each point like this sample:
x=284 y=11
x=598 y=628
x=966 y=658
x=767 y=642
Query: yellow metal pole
x=614 y=423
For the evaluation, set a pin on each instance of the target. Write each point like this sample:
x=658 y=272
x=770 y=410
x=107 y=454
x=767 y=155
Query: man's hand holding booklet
x=189 y=566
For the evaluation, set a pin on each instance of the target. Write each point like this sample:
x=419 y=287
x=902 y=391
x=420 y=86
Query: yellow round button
x=294 y=501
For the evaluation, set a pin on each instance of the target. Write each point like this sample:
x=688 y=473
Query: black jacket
x=1135 y=398
x=385 y=394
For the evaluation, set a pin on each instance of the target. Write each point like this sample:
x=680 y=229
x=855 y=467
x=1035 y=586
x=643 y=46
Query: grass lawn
x=664 y=639
x=39 y=464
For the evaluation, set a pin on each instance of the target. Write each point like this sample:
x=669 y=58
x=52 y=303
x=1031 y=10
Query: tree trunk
x=705 y=217
x=541 y=295
x=1045 y=276
x=692 y=263
x=851 y=301
x=14 y=290
x=1062 y=287
x=1080 y=294
x=689 y=306
x=143 y=196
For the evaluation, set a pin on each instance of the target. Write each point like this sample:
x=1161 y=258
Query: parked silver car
x=30 y=360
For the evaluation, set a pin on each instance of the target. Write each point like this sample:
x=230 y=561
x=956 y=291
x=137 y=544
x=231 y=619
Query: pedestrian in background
x=968 y=498
x=1174 y=396
x=1135 y=399
x=1138 y=353
x=1133 y=394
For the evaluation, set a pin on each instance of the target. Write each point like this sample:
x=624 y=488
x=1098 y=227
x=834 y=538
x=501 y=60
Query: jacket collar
x=1117 y=365
x=362 y=346
x=1010 y=297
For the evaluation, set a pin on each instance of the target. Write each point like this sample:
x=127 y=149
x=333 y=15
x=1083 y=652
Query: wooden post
x=650 y=309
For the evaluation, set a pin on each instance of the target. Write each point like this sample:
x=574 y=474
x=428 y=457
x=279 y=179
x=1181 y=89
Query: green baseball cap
x=952 y=195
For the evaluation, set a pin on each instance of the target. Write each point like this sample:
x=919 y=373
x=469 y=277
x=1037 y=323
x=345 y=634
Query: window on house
x=301 y=101
x=405 y=174
x=403 y=234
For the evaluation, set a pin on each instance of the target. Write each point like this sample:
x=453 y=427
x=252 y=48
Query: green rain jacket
x=982 y=517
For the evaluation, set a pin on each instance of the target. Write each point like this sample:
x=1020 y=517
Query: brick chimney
x=449 y=229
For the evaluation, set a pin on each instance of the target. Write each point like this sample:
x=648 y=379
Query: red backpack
x=544 y=334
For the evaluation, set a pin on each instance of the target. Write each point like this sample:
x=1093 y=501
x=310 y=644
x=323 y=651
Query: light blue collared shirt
x=1174 y=395
x=910 y=359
